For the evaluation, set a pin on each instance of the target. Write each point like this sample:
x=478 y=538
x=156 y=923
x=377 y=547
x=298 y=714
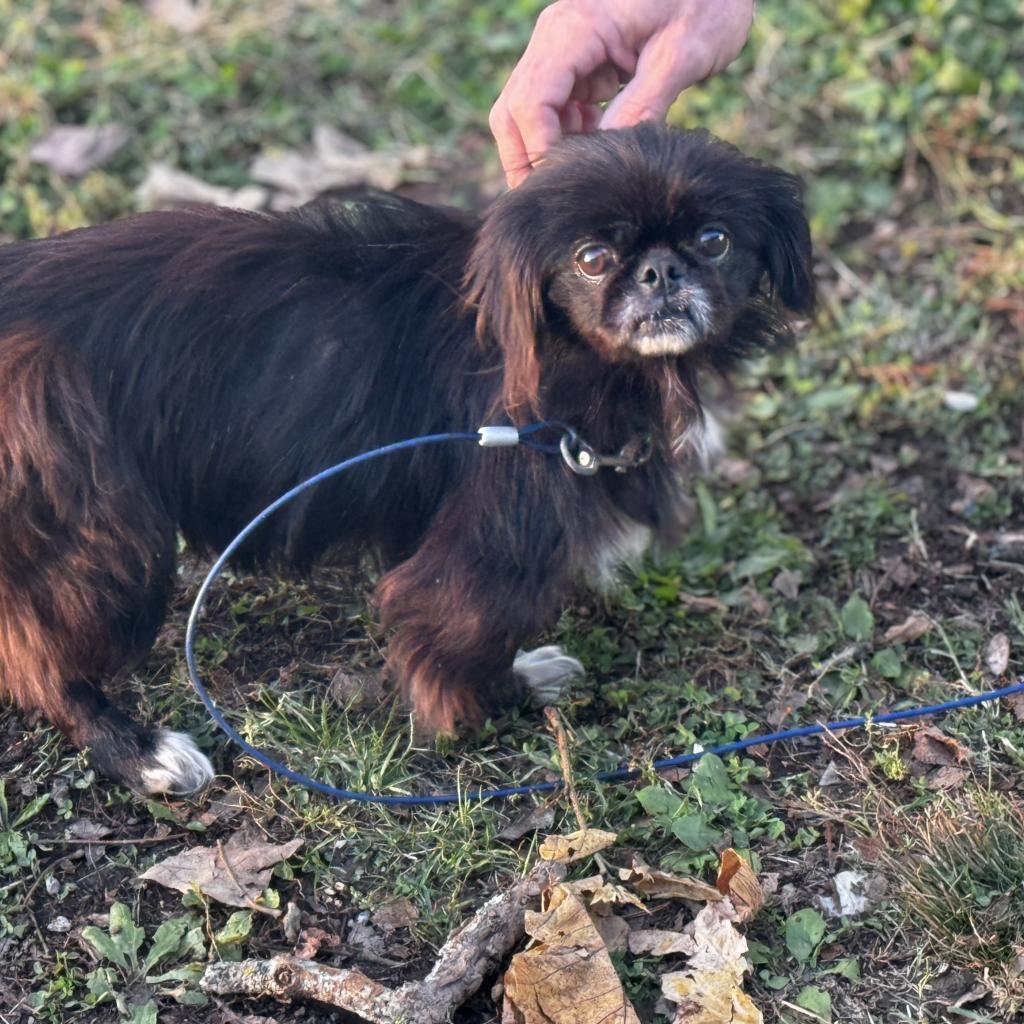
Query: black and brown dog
x=178 y=371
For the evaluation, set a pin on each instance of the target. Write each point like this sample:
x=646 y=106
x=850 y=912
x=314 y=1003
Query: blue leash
x=491 y=437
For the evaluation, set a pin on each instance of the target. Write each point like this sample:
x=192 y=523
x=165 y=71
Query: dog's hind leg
x=86 y=563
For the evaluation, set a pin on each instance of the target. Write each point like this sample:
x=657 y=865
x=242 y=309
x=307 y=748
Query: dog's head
x=641 y=243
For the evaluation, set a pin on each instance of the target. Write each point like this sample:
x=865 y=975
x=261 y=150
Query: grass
x=853 y=495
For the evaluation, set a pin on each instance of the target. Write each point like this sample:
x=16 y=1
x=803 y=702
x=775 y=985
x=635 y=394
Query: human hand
x=582 y=50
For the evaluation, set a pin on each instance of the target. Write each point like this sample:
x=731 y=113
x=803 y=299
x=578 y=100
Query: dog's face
x=642 y=243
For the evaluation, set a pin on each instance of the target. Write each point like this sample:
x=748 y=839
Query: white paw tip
x=177 y=765
x=547 y=671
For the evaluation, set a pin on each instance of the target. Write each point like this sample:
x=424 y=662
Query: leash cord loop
x=524 y=436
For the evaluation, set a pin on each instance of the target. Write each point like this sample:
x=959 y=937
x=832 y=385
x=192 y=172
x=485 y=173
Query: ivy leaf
x=817 y=1000
x=856 y=618
x=804 y=930
x=711 y=781
x=887 y=663
x=658 y=801
x=694 y=831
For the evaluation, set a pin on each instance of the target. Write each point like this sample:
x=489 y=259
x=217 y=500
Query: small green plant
x=126 y=978
x=804 y=931
x=711 y=806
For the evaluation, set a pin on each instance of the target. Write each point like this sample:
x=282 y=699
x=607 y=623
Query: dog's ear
x=787 y=252
x=505 y=288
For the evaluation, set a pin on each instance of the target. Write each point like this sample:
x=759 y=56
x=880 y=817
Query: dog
x=177 y=371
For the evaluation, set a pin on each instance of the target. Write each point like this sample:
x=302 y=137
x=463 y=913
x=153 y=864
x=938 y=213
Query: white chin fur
x=547 y=672
x=669 y=343
x=177 y=765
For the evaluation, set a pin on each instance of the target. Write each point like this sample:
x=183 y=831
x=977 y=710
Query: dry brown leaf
x=755 y=601
x=997 y=654
x=787 y=583
x=250 y=860
x=536 y=818
x=1016 y=702
x=164 y=188
x=311 y=940
x=595 y=890
x=567 y=975
x=973 y=490
x=291 y=923
x=662 y=885
x=720 y=946
x=365 y=937
x=709 y=997
x=708 y=991
x=913 y=627
x=659 y=942
x=736 y=879
x=73 y=150
x=392 y=916
x=600 y=897
x=353 y=690
x=933 y=746
x=335 y=161
x=947 y=777
x=183 y=15
x=700 y=603
x=576 y=845
x=612 y=928
x=734 y=471
x=87 y=830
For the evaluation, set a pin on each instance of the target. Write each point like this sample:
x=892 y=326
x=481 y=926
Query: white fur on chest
x=623 y=551
x=705 y=440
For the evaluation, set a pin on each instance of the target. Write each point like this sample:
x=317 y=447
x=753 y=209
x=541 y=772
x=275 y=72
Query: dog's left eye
x=594 y=260
x=713 y=243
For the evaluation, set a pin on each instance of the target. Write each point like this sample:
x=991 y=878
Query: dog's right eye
x=594 y=260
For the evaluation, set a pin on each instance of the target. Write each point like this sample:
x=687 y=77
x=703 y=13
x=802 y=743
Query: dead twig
x=555 y=724
x=463 y=962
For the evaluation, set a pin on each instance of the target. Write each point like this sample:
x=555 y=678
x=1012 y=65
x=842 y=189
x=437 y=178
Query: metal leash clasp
x=581 y=458
x=584 y=461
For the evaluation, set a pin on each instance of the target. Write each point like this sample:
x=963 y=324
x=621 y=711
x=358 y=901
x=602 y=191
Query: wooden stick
x=463 y=963
x=555 y=724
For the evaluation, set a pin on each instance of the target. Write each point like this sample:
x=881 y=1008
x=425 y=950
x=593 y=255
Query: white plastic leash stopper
x=498 y=437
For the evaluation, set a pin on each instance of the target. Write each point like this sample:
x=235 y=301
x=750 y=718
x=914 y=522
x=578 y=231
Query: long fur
x=179 y=371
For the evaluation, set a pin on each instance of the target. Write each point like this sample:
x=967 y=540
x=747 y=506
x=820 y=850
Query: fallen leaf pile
x=566 y=975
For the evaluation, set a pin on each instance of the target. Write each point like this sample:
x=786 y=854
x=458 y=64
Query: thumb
x=635 y=103
x=667 y=66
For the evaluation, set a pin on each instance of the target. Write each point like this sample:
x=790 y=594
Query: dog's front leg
x=461 y=608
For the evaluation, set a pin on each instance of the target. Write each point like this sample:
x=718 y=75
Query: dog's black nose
x=659 y=270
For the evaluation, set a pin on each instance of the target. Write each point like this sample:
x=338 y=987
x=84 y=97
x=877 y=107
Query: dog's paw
x=176 y=765
x=546 y=672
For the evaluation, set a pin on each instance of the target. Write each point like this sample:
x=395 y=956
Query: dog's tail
x=80 y=547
